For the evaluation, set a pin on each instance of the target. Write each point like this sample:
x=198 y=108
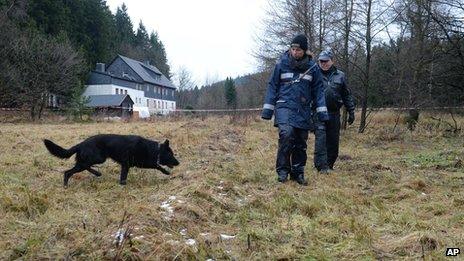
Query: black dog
x=127 y=150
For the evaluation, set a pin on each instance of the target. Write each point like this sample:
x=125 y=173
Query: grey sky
x=213 y=39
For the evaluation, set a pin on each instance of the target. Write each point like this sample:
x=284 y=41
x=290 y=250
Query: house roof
x=107 y=100
x=145 y=71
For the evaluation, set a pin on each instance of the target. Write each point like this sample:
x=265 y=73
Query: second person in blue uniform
x=296 y=82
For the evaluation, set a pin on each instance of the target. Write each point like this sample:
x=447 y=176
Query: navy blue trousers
x=291 y=155
x=326 y=145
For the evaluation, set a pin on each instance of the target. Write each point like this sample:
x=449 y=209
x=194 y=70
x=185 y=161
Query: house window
x=148 y=103
x=125 y=91
x=159 y=106
x=117 y=91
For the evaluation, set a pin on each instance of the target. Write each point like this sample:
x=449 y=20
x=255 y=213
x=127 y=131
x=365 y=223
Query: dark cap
x=326 y=55
x=300 y=41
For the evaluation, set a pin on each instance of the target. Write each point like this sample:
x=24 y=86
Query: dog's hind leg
x=124 y=172
x=70 y=172
x=94 y=172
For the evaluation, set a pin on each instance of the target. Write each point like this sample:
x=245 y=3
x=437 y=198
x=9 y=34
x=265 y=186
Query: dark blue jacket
x=291 y=98
x=337 y=92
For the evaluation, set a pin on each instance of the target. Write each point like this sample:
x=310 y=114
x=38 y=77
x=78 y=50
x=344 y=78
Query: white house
x=151 y=91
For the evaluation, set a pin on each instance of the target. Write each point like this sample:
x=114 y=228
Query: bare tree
x=184 y=85
x=342 y=23
x=372 y=19
x=37 y=66
x=284 y=19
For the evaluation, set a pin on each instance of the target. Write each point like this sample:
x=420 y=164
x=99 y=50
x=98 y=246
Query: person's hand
x=267 y=114
x=351 y=117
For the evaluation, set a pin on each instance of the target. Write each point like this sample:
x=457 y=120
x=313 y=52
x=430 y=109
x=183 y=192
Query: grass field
x=394 y=195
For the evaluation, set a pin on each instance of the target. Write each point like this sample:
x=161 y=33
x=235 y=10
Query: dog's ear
x=166 y=142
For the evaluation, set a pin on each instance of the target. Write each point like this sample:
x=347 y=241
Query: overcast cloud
x=213 y=39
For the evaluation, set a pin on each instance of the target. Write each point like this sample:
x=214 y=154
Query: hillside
x=394 y=195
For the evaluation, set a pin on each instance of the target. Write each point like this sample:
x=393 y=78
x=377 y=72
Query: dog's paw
x=122 y=182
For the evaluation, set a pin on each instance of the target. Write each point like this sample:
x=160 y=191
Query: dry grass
x=394 y=195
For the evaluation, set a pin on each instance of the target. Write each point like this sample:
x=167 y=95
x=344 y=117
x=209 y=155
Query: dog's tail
x=58 y=151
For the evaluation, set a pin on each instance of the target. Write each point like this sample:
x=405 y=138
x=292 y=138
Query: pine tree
x=141 y=38
x=124 y=26
x=158 y=55
x=230 y=93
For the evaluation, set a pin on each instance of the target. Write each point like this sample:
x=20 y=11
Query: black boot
x=301 y=180
x=282 y=179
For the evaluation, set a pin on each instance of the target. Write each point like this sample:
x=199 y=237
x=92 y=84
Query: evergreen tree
x=230 y=93
x=158 y=55
x=124 y=27
x=142 y=40
x=87 y=23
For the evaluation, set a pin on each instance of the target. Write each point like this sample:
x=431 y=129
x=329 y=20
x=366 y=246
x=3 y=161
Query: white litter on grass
x=204 y=234
x=118 y=236
x=220 y=187
x=222 y=194
x=190 y=242
x=209 y=259
x=172 y=198
x=183 y=231
x=138 y=237
x=181 y=201
x=240 y=202
x=172 y=242
x=226 y=237
x=423 y=194
x=166 y=206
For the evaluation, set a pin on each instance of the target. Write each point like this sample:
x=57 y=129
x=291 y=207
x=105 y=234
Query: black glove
x=351 y=117
x=267 y=114
x=323 y=116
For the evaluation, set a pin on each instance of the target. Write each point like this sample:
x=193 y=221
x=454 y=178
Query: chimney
x=100 y=67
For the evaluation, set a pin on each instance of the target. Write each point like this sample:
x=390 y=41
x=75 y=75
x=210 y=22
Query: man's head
x=326 y=60
x=299 y=46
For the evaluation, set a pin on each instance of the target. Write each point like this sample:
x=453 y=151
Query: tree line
x=396 y=53
x=49 y=46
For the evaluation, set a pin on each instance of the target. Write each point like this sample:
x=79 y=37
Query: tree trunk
x=365 y=92
x=348 y=16
x=344 y=118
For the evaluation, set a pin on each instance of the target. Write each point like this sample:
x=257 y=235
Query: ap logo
x=453 y=251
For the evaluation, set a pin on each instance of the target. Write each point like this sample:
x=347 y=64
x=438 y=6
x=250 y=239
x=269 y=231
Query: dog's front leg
x=162 y=170
x=124 y=172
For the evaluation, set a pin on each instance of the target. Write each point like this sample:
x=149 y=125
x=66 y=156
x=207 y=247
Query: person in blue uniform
x=294 y=85
x=337 y=94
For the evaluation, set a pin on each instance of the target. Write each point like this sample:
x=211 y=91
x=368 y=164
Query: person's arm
x=271 y=94
x=318 y=95
x=348 y=100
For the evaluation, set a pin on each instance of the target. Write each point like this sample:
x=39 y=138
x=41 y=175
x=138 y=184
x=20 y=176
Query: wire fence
x=244 y=110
